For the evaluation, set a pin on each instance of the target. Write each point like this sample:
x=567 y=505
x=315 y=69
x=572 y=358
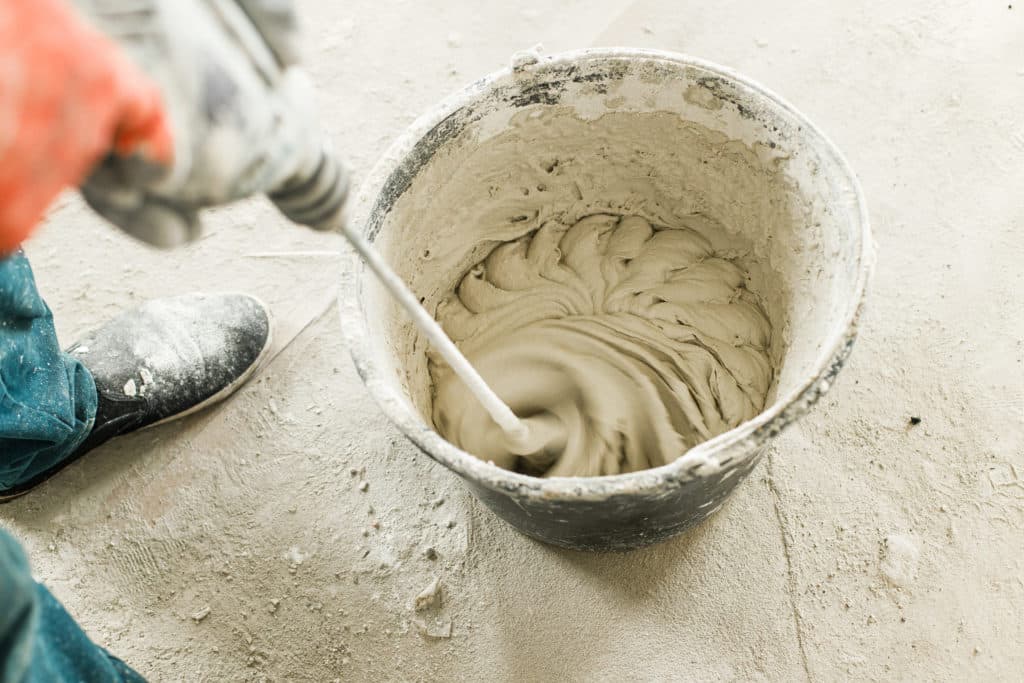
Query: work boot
x=164 y=360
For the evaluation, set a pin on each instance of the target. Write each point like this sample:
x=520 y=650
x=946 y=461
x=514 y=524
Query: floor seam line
x=780 y=516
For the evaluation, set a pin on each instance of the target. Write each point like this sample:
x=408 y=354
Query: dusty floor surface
x=863 y=548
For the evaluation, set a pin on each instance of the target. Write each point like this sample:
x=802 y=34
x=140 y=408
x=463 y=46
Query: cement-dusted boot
x=164 y=360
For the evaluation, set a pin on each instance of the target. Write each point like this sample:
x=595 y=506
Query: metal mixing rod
x=316 y=199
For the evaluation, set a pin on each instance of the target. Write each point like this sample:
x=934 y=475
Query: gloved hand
x=60 y=113
x=241 y=116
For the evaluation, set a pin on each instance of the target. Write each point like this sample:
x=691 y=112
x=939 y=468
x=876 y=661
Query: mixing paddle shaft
x=513 y=427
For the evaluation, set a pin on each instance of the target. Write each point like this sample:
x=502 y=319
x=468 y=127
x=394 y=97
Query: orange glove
x=68 y=97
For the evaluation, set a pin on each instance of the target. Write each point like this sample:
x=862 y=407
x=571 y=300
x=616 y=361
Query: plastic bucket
x=432 y=213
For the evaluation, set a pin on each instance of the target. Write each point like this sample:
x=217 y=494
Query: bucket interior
x=679 y=144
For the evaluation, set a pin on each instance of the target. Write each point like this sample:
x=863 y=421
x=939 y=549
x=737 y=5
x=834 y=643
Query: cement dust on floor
x=864 y=547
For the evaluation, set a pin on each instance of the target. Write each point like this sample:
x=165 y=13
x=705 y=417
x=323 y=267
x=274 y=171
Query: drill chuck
x=315 y=199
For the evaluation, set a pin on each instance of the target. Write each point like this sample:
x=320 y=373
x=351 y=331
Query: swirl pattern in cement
x=622 y=345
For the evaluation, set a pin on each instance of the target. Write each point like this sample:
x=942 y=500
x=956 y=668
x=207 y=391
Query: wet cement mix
x=622 y=344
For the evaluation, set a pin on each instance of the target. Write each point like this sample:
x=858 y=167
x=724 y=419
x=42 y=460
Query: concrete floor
x=862 y=548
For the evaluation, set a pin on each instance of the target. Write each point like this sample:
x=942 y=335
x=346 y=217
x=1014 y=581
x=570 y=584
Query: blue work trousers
x=47 y=407
x=47 y=398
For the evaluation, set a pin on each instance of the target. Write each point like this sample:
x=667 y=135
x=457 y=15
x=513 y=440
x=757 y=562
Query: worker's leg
x=47 y=398
x=153 y=363
x=39 y=641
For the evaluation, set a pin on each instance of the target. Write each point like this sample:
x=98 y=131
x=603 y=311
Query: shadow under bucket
x=446 y=193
